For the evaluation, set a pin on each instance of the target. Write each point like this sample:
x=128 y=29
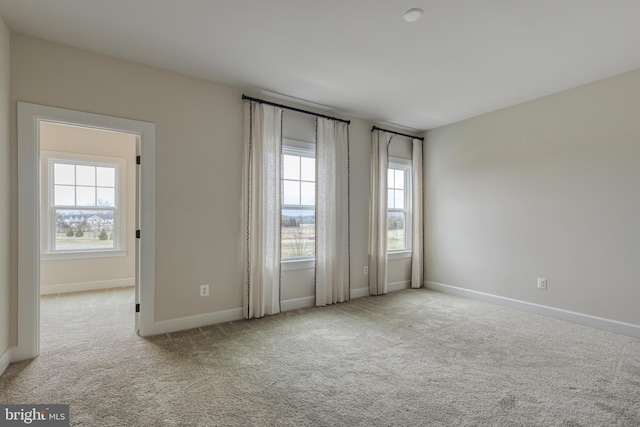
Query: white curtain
x=261 y=234
x=416 y=215
x=332 y=212
x=378 y=213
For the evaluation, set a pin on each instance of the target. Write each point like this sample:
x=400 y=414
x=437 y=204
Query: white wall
x=7 y=176
x=96 y=272
x=198 y=166
x=549 y=188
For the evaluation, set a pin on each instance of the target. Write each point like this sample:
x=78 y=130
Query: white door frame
x=29 y=118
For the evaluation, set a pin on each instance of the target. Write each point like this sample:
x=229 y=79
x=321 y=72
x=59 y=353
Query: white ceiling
x=462 y=59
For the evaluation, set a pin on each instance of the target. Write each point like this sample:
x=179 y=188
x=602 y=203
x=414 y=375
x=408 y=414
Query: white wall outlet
x=204 y=290
x=542 y=283
x=366 y=270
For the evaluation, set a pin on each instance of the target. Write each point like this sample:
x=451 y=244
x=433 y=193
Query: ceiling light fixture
x=413 y=15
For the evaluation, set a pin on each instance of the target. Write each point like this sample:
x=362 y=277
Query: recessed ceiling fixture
x=413 y=15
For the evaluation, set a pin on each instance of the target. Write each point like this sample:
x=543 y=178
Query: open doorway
x=87 y=208
x=89 y=219
x=87 y=228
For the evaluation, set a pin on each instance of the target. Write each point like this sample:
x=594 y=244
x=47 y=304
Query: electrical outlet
x=366 y=270
x=542 y=283
x=204 y=290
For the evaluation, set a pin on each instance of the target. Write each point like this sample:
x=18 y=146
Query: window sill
x=64 y=256
x=391 y=256
x=298 y=264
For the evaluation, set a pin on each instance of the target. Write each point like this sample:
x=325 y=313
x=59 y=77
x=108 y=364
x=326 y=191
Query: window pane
x=85 y=175
x=390 y=179
x=106 y=177
x=291 y=194
x=308 y=193
x=64 y=174
x=298 y=233
x=298 y=223
x=64 y=195
x=308 y=169
x=390 y=199
x=399 y=182
x=396 y=231
x=78 y=230
x=399 y=196
x=291 y=167
x=85 y=196
x=106 y=196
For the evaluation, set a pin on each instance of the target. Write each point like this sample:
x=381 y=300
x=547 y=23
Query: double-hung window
x=85 y=212
x=298 y=216
x=399 y=206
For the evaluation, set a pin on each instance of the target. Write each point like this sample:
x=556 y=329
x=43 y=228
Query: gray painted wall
x=549 y=188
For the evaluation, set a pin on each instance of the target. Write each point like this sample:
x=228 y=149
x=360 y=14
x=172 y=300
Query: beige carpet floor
x=410 y=358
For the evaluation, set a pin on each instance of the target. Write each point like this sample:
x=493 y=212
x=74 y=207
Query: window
x=85 y=204
x=298 y=217
x=399 y=205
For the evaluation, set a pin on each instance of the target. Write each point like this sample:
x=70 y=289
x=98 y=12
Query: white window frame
x=48 y=220
x=404 y=165
x=301 y=149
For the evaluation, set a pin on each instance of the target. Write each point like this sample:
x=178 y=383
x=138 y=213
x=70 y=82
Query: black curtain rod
x=286 y=107
x=397 y=133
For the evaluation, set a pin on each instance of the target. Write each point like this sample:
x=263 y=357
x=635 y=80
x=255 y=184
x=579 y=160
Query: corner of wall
x=5 y=197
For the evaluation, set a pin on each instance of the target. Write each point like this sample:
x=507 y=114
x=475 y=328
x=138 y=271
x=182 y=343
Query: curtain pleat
x=378 y=213
x=261 y=254
x=416 y=218
x=332 y=212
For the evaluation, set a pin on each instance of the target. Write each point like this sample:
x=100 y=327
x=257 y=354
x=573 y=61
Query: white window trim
x=289 y=264
x=304 y=149
x=398 y=254
x=46 y=233
x=404 y=164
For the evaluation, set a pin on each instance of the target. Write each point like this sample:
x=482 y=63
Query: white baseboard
x=297 y=303
x=86 y=286
x=391 y=287
x=6 y=358
x=191 y=322
x=359 y=293
x=398 y=286
x=184 y=323
x=174 y=325
x=542 y=310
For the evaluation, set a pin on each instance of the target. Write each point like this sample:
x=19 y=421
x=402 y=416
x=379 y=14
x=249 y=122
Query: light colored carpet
x=410 y=358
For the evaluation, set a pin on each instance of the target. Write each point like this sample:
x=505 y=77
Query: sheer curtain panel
x=416 y=216
x=332 y=212
x=261 y=234
x=378 y=212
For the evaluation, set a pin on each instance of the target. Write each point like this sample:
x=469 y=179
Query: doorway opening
x=83 y=206
x=87 y=227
